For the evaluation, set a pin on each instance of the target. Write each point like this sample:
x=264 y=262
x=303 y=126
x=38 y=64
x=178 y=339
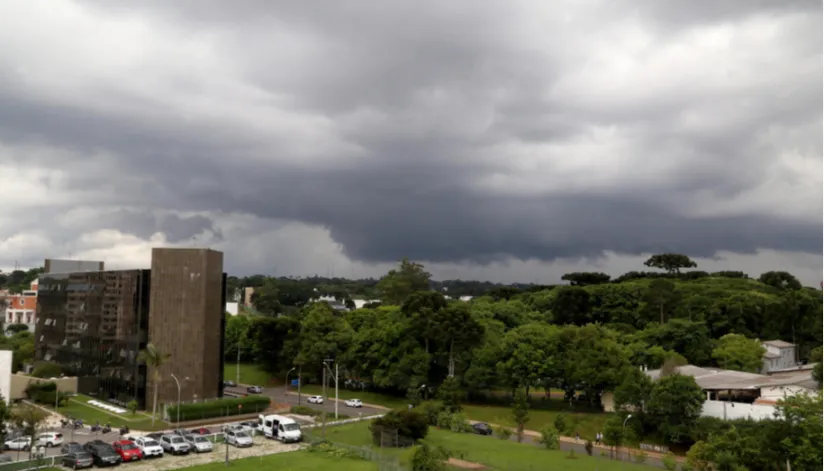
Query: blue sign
x=295 y=382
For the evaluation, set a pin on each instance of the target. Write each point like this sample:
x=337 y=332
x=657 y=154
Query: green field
x=249 y=374
x=78 y=409
x=500 y=455
x=293 y=461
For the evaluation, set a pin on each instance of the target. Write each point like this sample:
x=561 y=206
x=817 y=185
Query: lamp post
x=623 y=435
x=286 y=384
x=237 y=371
x=178 y=397
x=326 y=364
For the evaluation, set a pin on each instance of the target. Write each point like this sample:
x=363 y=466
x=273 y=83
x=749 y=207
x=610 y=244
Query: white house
x=780 y=355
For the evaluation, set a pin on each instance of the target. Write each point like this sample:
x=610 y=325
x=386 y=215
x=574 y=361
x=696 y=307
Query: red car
x=200 y=431
x=127 y=450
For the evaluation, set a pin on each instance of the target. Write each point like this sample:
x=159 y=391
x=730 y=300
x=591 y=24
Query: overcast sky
x=509 y=141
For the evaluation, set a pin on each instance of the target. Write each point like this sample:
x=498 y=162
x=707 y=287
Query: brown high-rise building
x=187 y=314
x=95 y=323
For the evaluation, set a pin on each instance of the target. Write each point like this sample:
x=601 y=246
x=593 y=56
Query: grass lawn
x=249 y=374
x=497 y=454
x=78 y=409
x=293 y=461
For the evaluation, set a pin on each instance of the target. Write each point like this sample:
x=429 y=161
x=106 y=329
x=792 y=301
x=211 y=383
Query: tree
x=780 y=280
x=421 y=308
x=661 y=295
x=450 y=395
x=520 y=413
x=400 y=283
x=529 y=354
x=15 y=328
x=675 y=404
x=802 y=430
x=458 y=332
x=586 y=278
x=132 y=406
x=29 y=419
x=736 y=352
x=428 y=458
x=323 y=335
x=550 y=438
x=571 y=306
x=154 y=360
x=614 y=433
x=5 y=416
x=815 y=357
x=671 y=262
x=633 y=393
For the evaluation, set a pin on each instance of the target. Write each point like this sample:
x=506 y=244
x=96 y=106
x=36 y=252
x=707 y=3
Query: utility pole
x=300 y=381
x=326 y=366
x=237 y=378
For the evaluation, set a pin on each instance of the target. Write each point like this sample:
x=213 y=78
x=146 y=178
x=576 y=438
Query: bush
x=34 y=388
x=588 y=447
x=411 y=425
x=560 y=423
x=431 y=410
x=226 y=406
x=550 y=438
x=47 y=370
x=504 y=433
x=669 y=462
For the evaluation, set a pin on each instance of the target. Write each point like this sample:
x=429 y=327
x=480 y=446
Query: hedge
x=219 y=408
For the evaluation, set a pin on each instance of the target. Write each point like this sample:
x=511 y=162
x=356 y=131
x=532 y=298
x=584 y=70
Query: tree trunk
x=154 y=403
x=451 y=359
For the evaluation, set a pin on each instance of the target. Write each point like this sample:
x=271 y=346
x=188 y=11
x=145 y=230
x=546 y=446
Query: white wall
x=5 y=374
x=736 y=410
x=231 y=308
x=779 y=392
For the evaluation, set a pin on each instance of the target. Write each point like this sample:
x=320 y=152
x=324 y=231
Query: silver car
x=198 y=443
x=238 y=438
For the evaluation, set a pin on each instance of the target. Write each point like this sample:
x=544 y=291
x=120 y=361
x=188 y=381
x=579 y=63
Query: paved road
x=278 y=395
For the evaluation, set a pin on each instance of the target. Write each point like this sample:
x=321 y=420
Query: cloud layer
x=522 y=138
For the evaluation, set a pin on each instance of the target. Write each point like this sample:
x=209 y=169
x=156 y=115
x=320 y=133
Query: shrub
x=410 y=425
x=47 y=370
x=432 y=410
x=132 y=406
x=669 y=462
x=588 y=447
x=226 y=406
x=427 y=458
x=550 y=438
x=34 y=388
x=560 y=423
x=504 y=433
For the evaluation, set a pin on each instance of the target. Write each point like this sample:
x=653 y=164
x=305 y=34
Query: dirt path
x=465 y=464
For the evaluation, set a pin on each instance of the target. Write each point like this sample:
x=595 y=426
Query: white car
x=238 y=438
x=315 y=400
x=174 y=444
x=199 y=443
x=149 y=447
x=20 y=443
x=353 y=403
x=50 y=439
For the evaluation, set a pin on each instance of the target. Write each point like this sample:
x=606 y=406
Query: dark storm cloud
x=439 y=86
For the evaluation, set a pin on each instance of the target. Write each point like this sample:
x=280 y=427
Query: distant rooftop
x=779 y=344
x=718 y=379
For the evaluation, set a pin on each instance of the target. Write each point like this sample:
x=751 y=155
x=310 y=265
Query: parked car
x=103 y=453
x=199 y=443
x=353 y=403
x=229 y=384
x=254 y=389
x=154 y=435
x=249 y=427
x=70 y=447
x=149 y=446
x=174 y=444
x=315 y=400
x=482 y=428
x=200 y=431
x=50 y=439
x=78 y=458
x=238 y=438
x=19 y=443
x=127 y=450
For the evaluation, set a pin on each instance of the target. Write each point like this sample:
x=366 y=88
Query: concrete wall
x=779 y=392
x=187 y=311
x=53 y=265
x=19 y=383
x=737 y=410
x=5 y=374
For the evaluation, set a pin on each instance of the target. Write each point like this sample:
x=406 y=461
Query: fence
x=384 y=461
x=37 y=463
x=737 y=410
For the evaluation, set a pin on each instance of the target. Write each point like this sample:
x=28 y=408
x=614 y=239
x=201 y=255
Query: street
x=278 y=395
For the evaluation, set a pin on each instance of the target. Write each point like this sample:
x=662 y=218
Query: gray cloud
x=445 y=133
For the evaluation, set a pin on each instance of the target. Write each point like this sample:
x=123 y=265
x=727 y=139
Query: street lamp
x=286 y=384
x=178 y=396
x=623 y=435
x=326 y=364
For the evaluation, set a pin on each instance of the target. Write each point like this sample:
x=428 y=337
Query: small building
x=779 y=355
x=21 y=308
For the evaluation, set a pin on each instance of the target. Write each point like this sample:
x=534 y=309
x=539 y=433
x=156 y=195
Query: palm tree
x=153 y=358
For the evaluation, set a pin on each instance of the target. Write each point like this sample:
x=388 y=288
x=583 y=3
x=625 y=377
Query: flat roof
x=718 y=379
x=778 y=343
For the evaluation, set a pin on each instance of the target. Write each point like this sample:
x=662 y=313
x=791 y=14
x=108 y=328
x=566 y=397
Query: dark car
x=78 y=458
x=71 y=447
x=482 y=428
x=103 y=453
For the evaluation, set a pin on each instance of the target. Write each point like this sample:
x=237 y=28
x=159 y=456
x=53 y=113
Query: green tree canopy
x=400 y=283
x=736 y=352
x=671 y=262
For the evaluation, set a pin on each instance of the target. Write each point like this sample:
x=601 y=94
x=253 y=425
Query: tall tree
x=400 y=283
x=154 y=359
x=675 y=404
x=802 y=430
x=780 y=280
x=323 y=335
x=671 y=262
x=736 y=352
x=29 y=419
x=458 y=332
x=422 y=308
x=571 y=306
x=586 y=278
x=520 y=413
x=661 y=297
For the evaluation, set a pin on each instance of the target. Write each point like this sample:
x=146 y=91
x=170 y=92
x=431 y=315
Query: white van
x=280 y=428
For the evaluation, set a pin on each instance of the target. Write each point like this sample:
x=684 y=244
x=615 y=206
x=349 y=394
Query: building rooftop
x=779 y=344
x=718 y=379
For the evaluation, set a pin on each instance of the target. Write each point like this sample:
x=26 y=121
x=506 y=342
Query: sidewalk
x=623 y=450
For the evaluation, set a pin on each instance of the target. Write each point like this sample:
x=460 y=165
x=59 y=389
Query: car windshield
x=200 y=440
x=291 y=427
x=177 y=440
x=241 y=435
x=129 y=446
x=149 y=443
